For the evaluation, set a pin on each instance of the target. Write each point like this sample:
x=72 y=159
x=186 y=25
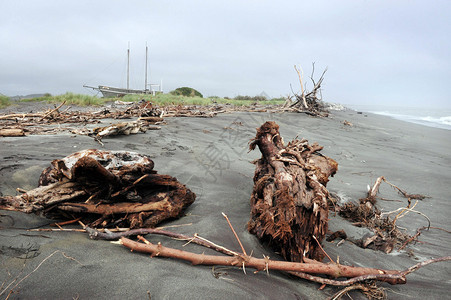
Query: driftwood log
x=289 y=209
x=104 y=189
x=12 y=132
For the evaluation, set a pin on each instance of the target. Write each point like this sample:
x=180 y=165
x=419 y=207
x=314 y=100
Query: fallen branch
x=50 y=112
x=12 y=132
x=112 y=236
x=334 y=270
x=115 y=208
x=408 y=210
x=425 y=263
x=11 y=289
x=196 y=239
x=20 y=116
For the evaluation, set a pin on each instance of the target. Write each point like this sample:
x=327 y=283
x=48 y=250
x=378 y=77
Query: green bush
x=4 y=101
x=187 y=92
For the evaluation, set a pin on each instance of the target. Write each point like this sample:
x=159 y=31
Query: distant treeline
x=252 y=98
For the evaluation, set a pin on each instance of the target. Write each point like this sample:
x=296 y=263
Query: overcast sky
x=385 y=51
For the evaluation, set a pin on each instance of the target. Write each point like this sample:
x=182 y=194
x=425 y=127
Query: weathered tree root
x=104 y=189
x=386 y=236
x=289 y=206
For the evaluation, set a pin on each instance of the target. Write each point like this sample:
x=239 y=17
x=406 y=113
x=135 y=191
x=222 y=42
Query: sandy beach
x=210 y=156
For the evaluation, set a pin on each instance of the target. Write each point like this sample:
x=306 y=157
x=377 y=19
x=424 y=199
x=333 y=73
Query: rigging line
x=98 y=74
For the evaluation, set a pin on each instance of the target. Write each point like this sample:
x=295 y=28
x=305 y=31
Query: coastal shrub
x=4 y=101
x=249 y=98
x=187 y=92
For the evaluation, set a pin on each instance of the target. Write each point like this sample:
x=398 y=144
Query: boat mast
x=128 y=66
x=145 y=82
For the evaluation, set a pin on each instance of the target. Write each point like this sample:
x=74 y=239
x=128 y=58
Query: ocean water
x=432 y=117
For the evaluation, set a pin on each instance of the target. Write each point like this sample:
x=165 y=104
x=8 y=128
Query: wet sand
x=210 y=156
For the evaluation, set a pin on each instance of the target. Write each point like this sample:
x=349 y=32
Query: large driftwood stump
x=289 y=207
x=104 y=188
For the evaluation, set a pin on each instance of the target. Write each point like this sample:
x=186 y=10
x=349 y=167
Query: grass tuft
x=170 y=99
x=70 y=98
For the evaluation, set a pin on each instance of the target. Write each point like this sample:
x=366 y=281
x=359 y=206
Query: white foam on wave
x=438 y=122
x=442 y=120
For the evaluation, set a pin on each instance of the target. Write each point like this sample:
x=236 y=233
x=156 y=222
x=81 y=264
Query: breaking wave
x=438 y=122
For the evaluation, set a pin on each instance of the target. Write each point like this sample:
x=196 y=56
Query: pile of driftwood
x=146 y=114
x=50 y=121
x=122 y=128
x=289 y=201
x=308 y=102
x=104 y=189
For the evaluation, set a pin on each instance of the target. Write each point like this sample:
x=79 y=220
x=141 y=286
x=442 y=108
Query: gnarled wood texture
x=105 y=188
x=289 y=200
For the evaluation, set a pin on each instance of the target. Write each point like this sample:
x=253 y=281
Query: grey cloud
x=380 y=51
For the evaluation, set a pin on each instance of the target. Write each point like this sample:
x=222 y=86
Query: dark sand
x=210 y=156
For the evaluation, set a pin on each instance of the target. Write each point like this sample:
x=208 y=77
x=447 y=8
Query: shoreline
x=431 y=117
x=414 y=157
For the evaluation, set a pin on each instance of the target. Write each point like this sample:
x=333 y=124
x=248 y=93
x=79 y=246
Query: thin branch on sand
x=234 y=232
x=334 y=270
x=11 y=289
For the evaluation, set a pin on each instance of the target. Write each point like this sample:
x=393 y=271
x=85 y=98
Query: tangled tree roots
x=387 y=236
x=289 y=207
x=105 y=189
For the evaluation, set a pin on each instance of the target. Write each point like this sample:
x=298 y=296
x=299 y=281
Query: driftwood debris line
x=104 y=189
x=144 y=112
x=49 y=122
x=289 y=208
